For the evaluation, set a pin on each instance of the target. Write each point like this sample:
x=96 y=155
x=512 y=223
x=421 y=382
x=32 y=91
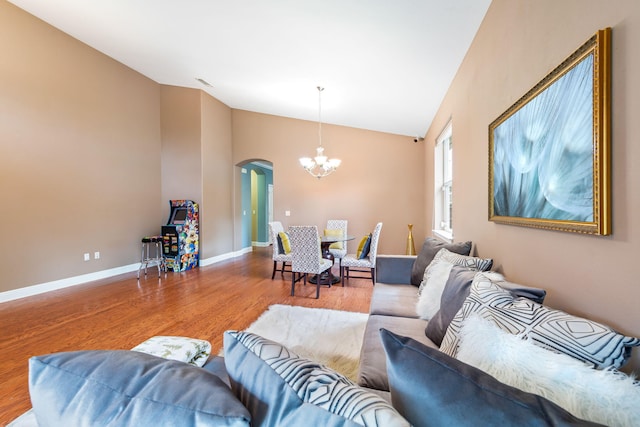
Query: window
x=443 y=191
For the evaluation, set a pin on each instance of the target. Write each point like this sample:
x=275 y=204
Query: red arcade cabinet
x=181 y=236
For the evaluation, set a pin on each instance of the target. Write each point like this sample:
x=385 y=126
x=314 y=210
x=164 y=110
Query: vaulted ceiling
x=385 y=65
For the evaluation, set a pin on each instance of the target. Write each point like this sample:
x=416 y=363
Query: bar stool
x=145 y=258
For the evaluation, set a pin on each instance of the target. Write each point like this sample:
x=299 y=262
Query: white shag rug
x=330 y=337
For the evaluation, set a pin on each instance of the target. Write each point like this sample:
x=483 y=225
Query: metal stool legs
x=146 y=260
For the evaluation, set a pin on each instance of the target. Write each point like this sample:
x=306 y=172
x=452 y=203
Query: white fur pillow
x=435 y=279
x=603 y=396
x=436 y=275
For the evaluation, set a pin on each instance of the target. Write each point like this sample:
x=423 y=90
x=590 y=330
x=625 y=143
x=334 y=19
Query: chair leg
x=373 y=275
x=293 y=283
x=284 y=263
x=342 y=274
x=275 y=267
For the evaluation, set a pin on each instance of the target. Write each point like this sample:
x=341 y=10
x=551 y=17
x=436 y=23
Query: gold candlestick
x=411 y=248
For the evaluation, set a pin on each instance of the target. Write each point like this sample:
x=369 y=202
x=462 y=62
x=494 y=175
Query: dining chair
x=365 y=264
x=307 y=257
x=338 y=249
x=275 y=228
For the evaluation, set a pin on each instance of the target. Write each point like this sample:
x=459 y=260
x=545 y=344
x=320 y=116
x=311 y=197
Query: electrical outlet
x=96 y=255
x=87 y=256
x=287 y=213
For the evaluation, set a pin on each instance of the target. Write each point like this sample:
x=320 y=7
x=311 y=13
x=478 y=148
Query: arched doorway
x=256 y=202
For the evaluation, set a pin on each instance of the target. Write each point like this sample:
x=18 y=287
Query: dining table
x=325 y=243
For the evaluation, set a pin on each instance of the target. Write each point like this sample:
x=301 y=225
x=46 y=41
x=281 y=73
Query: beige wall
x=380 y=178
x=518 y=43
x=216 y=220
x=79 y=155
x=181 y=145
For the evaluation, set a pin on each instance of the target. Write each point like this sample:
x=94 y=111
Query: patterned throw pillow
x=280 y=388
x=436 y=276
x=583 y=339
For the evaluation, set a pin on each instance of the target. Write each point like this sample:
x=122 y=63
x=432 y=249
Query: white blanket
x=184 y=349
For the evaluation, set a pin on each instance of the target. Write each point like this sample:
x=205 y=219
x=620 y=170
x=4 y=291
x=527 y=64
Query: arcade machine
x=180 y=237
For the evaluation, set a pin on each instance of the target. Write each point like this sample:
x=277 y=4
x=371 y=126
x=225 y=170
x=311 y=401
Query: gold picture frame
x=549 y=153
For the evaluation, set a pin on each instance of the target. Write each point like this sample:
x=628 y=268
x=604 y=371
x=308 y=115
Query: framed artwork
x=549 y=153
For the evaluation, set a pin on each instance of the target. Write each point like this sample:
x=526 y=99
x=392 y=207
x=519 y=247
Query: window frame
x=443 y=185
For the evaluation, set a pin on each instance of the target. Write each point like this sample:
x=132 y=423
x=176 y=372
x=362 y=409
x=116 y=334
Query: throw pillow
x=436 y=276
x=281 y=389
x=604 y=396
x=85 y=388
x=430 y=388
x=280 y=247
x=456 y=291
x=364 y=247
x=283 y=238
x=556 y=330
x=336 y=233
x=430 y=248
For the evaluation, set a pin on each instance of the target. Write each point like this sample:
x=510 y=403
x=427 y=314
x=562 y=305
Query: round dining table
x=325 y=242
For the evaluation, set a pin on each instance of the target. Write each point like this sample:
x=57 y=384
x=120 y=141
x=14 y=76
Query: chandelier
x=320 y=165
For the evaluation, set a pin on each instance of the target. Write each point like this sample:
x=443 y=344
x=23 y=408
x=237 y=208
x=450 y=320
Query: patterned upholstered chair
x=339 y=249
x=365 y=265
x=275 y=227
x=307 y=257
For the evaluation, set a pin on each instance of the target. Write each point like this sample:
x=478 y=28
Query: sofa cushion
x=603 y=396
x=430 y=248
x=430 y=388
x=282 y=389
x=86 y=388
x=556 y=330
x=372 y=372
x=436 y=275
x=456 y=291
x=394 y=300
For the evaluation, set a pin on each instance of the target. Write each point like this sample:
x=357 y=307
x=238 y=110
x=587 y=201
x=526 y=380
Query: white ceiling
x=385 y=65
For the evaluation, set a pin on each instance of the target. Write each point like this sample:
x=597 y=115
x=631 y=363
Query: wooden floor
x=120 y=312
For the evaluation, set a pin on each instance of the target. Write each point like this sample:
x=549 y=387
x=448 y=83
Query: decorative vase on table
x=411 y=248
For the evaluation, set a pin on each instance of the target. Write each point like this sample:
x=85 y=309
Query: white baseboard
x=90 y=277
x=213 y=260
x=65 y=283
x=260 y=244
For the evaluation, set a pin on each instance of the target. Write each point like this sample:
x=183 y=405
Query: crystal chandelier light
x=320 y=165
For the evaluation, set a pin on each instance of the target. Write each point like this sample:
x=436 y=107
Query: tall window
x=443 y=201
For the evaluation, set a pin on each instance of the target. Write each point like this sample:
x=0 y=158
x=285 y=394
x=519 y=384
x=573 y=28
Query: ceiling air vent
x=204 y=82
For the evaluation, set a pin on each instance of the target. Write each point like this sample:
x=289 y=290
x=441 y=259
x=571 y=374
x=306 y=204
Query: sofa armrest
x=394 y=268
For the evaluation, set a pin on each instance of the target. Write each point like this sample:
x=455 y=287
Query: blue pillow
x=429 y=387
x=99 y=388
x=282 y=389
x=280 y=246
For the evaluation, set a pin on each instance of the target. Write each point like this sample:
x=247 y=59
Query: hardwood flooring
x=120 y=312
